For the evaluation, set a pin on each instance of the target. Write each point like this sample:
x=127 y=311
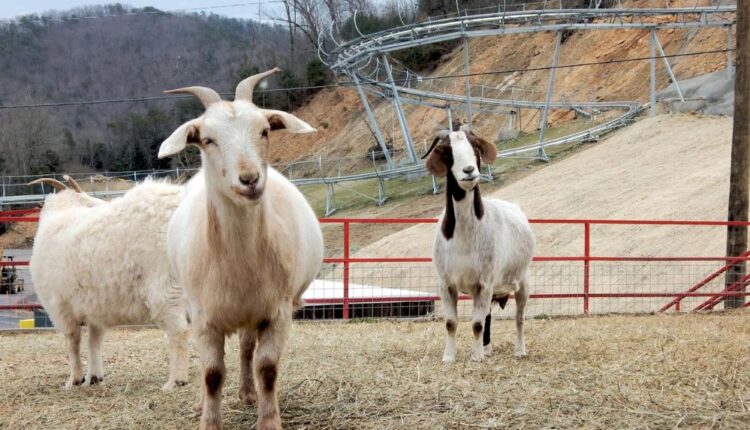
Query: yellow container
x=26 y=323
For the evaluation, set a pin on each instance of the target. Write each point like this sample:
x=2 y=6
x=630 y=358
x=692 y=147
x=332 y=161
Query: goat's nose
x=468 y=169
x=249 y=179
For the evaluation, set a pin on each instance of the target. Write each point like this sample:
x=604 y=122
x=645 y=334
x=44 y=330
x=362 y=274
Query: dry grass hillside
x=666 y=167
x=585 y=373
x=338 y=114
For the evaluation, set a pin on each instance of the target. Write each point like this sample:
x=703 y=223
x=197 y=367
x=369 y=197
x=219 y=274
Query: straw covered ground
x=598 y=372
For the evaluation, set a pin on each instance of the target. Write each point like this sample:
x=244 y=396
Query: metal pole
x=371 y=120
x=346 y=271
x=550 y=87
x=586 y=260
x=730 y=47
x=468 y=81
x=669 y=68
x=400 y=113
x=652 y=72
x=450 y=117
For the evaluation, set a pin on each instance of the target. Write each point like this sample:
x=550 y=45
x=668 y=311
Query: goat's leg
x=248 y=341
x=95 y=372
x=482 y=296
x=486 y=336
x=210 y=342
x=178 y=333
x=271 y=340
x=521 y=297
x=449 y=297
x=72 y=332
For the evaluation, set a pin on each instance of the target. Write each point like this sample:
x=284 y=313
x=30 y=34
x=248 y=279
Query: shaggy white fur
x=104 y=264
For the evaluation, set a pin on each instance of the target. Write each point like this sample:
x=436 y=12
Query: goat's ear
x=488 y=150
x=435 y=163
x=283 y=120
x=186 y=133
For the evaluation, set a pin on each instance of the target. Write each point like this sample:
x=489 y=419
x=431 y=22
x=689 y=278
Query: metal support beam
x=652 y=73
x=450 y=117
x=400 y=113
x=550 y=88
x=669 y=68
x=371 y=120
x=330 y=199
x=468 y=81
x=730 y=49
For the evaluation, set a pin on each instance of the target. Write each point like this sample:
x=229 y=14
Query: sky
x=234 y=8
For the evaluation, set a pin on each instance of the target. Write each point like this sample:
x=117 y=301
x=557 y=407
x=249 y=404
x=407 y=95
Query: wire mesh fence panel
x=386 y=286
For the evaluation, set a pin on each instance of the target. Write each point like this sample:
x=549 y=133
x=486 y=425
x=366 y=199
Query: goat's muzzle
x=249 y=187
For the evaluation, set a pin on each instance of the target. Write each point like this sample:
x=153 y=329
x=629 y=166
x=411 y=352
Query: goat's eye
x=264 y=133
x=208 y=141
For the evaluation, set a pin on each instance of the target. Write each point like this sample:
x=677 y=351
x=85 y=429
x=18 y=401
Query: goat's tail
x=500 y=300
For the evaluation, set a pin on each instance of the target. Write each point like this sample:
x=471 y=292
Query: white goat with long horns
x=244 y=243
x=103 y=264
x=483 y=247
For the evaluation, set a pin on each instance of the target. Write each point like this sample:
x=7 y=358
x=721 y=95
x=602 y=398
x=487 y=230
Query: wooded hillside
x=116 y=52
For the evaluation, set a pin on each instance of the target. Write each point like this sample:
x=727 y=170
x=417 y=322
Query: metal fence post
x=586 y=261
x=346 y=270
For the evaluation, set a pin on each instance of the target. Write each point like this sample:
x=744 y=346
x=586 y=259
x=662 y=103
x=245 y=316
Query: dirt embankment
x=338 y=114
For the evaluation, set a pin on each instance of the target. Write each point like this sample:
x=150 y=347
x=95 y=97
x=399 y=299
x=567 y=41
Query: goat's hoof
x=248 y=397
x=172 y=384
x=93 y=380
x=487 y=350
x=270 y=423
x=477 y=355
x=74 y=382
x=448 y=359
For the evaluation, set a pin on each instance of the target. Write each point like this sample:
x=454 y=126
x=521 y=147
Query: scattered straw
x=603 y=372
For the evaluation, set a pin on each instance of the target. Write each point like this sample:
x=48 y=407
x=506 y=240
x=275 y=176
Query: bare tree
x=305 y=16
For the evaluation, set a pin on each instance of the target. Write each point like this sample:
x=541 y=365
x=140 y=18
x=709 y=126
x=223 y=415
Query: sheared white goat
x=244 y=243
x=104 y=264
x=483 y=247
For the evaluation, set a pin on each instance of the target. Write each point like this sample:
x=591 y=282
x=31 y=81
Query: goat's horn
x=207 y=96
x=54 y=183
x=245 y=88
x=440 y=135
x=72 y=183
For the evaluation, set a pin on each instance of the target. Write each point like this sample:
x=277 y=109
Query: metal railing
x=579 y=284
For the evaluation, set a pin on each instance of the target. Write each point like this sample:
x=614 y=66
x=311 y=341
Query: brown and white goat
x=244 y=243
x=483 y=247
